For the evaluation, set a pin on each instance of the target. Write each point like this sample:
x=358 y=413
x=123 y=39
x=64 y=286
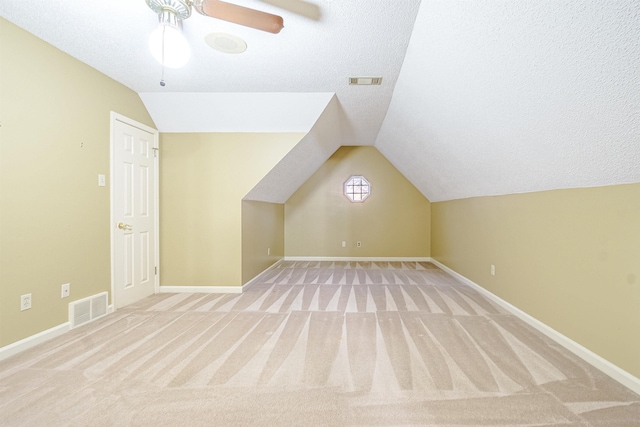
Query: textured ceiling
x=235 y=112
x=303 y=160
x=500 y=97
x=350 y=38
x=494 y=96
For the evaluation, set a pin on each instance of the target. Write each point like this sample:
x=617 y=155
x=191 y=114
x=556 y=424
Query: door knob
x=123 y=226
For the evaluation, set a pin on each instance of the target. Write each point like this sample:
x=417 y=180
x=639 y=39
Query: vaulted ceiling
x=500 y=97
x=478 y=97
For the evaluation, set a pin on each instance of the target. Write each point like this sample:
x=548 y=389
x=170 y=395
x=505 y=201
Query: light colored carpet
x=317 y=343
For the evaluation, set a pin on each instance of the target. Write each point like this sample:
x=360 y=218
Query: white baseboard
x=250 y=282
x=201 y=289
x=615 y=372
x=33 y=340
x=213 y=289
x=324 y=258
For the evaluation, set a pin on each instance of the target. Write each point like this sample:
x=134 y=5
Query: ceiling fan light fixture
x=167 y=44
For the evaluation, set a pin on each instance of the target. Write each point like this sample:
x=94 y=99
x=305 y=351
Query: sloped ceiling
x=303 y=160
x=500 y=97
x=492 y=97
x=235 y=112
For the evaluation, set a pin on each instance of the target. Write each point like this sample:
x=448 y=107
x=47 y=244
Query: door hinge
x=155 y=152
x=156 y=270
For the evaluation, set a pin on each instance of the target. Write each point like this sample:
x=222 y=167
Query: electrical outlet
x=25 y=302
x=493 y=270
x=344 y=244
x=358 y=244
x=65 y=290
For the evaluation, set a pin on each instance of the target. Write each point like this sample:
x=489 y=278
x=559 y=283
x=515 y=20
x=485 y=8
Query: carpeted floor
x=312 y=343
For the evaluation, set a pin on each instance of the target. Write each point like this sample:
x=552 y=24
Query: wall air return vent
x=88 y=309
x=365 y=81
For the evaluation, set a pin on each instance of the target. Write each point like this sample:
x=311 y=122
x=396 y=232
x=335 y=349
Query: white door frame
x=112 y=228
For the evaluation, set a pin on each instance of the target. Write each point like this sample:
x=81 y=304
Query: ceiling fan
x=181 y=9
x=168 y=45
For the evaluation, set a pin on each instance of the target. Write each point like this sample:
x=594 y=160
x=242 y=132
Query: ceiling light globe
x=176 y=48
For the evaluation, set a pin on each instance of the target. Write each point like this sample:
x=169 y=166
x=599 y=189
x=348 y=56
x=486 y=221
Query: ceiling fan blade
x=299 y=7
x=240 y=15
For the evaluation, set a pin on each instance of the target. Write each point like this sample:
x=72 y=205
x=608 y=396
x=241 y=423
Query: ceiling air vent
x=365 y=81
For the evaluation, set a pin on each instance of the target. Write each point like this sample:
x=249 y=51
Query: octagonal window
x=357 y=189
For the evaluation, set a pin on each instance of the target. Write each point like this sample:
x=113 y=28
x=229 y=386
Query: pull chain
x=162 y=83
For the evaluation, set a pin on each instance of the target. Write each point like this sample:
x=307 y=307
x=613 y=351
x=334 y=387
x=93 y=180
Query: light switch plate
x=101 y=180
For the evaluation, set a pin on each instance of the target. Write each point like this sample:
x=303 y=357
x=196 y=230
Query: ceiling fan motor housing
x=180 y=8
x=174 y=11
x=198 y=5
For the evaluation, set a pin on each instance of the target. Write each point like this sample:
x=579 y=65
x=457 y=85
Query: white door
x=133 y=210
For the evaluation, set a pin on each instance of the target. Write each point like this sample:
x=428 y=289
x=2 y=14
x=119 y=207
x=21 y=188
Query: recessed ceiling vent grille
x=365 y=81
x=87 y=309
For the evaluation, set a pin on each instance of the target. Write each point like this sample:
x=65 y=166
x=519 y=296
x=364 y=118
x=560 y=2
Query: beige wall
x=262 y=237
x=570 y=258
x=393 y=222
x=54 y=141
x=203 y=179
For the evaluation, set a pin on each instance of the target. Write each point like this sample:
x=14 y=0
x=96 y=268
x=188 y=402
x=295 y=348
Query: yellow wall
x=262 y=237
x=54 y=141
x=570 y=258
x=203 y=179
x=393 y=222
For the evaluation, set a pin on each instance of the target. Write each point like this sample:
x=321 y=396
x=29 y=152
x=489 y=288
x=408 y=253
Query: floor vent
x=87 y=309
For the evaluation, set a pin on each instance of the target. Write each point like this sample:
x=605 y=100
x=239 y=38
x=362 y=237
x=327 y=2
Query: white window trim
x=349 y=186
